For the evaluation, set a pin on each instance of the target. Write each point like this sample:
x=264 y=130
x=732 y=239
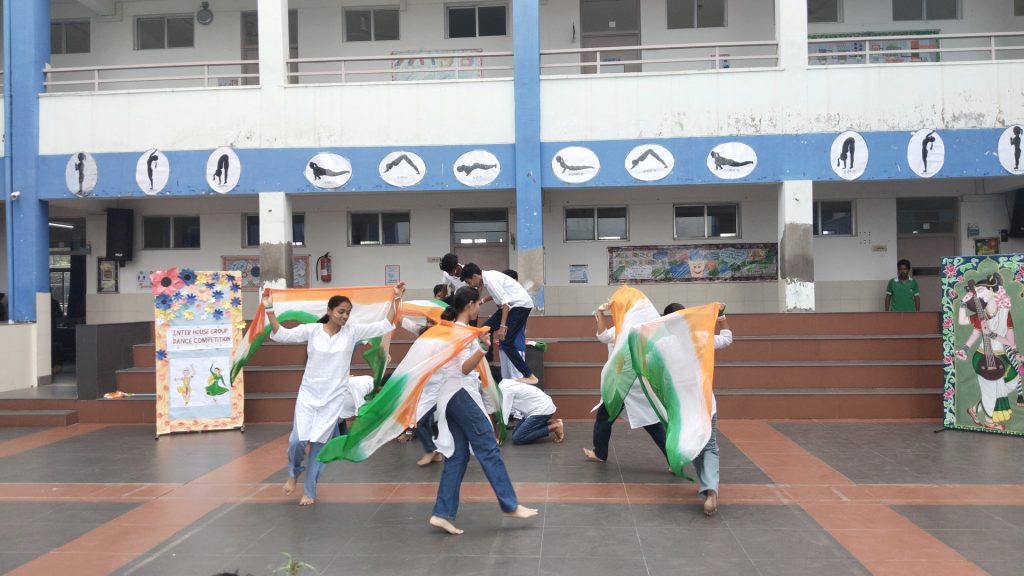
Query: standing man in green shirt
x=902 y=295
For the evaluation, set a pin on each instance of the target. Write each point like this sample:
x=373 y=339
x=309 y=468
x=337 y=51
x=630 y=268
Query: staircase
x=786 y=366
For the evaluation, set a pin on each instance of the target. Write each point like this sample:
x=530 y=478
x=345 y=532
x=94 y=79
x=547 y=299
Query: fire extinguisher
x=323 y=268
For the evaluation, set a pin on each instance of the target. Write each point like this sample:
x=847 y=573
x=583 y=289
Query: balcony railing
x=457 y=65
x=899 y=49
x=660 y=58
x=148 y=76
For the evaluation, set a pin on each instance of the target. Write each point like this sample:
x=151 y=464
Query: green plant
x=293 y=566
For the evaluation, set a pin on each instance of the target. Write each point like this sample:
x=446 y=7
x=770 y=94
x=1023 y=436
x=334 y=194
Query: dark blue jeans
x=532 y=429
x=470 y=427
x=515 y=328
x=603 y=433
x=425 y=431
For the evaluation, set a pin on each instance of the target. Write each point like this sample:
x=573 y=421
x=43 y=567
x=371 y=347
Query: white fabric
x=505 y=290
x=638 y=408
x=453 y=381
x=508 y=369
x=451 y=282
x=428 y=399
x=524 y=398
x=355 y=395
x=722 y=340
x=325 y=380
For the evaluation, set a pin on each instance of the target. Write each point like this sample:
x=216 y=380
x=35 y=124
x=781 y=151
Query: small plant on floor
x=293 y=567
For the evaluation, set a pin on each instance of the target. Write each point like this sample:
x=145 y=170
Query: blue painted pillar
x=529 y=208
x=26 y=51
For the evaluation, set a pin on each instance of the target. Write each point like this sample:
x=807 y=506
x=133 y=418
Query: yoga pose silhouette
x=318 y=171
x=648 y=153
x=468 y=169
x=1015 y=142
x=723 y=161
x=566 y=167
x=849 y=147
x=220 y=176
x=150 y=164
x=927 y=144
x=80 y=168
x=399 y=160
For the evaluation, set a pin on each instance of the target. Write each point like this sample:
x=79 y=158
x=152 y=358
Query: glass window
x=157 y=32
x=596 y=224
x=722 y=221
x=462 y=22
x=368 y=24
x=149 y=33
x=696 y=14
x=156 y=232
x=611 y=224
x=396 y=227
x=56 y=38
x=925 y=9
x=186 y=232
x=822 y=11
x=833 y=218
x=473 y=21
x=252 y=230
x=482 y=226
x=579 y=224
x=298 y=229
x=492 y=20
x=76 y=37
x=603 y=16
x=712 y=221
x=925 y=215
x=689 y=222
x=370 y=229
x=942 y=9
x=385 y=24
x=365 y=229
x=181 y=32
x=1018 y=7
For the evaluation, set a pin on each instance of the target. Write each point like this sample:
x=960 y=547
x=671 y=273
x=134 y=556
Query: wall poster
x=693 y=263
x=249 y=268
x=982 y=303
x=198 y=326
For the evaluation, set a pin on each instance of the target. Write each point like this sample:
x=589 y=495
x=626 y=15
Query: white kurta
x=325 y=380
x=428 y=398
x=355 y=395
x=638 y=408
x=525 y=398
x=453 y=381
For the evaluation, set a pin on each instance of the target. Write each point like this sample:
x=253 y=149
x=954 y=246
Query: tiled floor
x=818 y=498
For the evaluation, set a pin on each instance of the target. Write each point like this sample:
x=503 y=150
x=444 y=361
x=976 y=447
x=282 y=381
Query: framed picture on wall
x=106 y=276
x=249 y=266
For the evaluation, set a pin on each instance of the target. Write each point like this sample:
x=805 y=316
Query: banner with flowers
x=982 y=303
x=198 y=326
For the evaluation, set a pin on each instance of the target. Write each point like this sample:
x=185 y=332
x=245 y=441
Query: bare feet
x=445 y=525
x=429 y=458
x=591 y=455
x=289 y=486
x=559 y=430
x=306 y=501
x=522 y=512
x=710 y=503
x=529 y=379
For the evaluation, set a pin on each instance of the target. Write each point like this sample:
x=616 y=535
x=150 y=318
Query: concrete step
x=47 y=418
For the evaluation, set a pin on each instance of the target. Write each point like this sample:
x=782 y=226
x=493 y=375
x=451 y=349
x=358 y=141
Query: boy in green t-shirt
x=902 y=295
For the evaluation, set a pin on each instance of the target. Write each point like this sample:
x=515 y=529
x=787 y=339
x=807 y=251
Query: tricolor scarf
x=393 y=409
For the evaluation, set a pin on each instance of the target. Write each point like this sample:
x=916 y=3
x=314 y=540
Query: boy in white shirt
x=536 y=407
x=450 y=271
x=509 y=321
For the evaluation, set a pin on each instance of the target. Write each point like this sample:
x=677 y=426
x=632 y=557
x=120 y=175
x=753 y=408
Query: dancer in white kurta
x=324 y=387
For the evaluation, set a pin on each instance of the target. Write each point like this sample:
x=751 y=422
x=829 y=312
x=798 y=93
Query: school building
x=580 y=142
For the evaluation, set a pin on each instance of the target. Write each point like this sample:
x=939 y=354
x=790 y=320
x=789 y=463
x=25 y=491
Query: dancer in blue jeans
x=462 y=421
x=508 y=323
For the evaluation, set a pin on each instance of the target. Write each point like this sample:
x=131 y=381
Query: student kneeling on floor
x=536 y=407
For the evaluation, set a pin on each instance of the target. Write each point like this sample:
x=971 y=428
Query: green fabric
x=902 y=295
x=979 y=357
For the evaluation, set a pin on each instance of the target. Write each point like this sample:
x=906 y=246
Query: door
x=926 y=230
x=480 y=236
x=610 y=23
x=251 y=45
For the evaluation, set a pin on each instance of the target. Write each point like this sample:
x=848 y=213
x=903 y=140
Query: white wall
x=18 y=342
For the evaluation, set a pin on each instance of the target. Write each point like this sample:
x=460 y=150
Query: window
x=473 y=21
x=707 y=221
x=596 y=224
x=69 y=37
x=170 y=232
x=1018 y=7
x=481 y=227
x=824 y=11
x=925 y=9
x=158 y=32
x=251 y=231
x=696 y=14
x=387 y=228
x=926 y=215
x=366 y=24
x=833 y=218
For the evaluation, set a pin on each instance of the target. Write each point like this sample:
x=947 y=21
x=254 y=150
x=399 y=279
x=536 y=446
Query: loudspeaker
x=120 y=234
x=1017 y=219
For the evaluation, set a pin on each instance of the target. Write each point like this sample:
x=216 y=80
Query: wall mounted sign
x=81 y=174
x=926 y=153
x=849 y=157
x=694 y=263
x=575 y=164
x=402 y=169
x=732 y=160
x=477 y=168
x=649 y=162
x=152 y=172
x=1009 y=149
x=328 y=171
x=248 y=268
x=223 y=169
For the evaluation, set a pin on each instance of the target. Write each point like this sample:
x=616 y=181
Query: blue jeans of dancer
x=470 y=427
x=706 y=463
x=603 y=433
x=515 y=327
x=424 y=431
x=296 y=456
x=532 y=429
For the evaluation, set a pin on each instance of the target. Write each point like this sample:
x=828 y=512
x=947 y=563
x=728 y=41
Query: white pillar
x=796 y=249
x=276 y=240
x=273 y=30
x=791 y=32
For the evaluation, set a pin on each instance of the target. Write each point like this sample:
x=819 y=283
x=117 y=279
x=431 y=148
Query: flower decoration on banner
x=166 y=282
x=161 y=355
x=188 y=276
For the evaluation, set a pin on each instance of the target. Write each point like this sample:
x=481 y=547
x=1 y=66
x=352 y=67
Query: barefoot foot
x=306 y=501
x=559 y=431
x=529 y=380
x=711 y=503
x=289 y=486
x=444 y=525
x=429 y=458
x=591 y=455
x=522 y=512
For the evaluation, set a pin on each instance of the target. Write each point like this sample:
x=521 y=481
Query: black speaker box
x=120 y=234
x=1017 y=217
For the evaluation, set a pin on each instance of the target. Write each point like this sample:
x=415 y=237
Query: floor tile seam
x=46 y=437
x=256 y=454
x=773 y=435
